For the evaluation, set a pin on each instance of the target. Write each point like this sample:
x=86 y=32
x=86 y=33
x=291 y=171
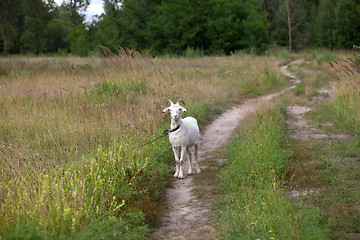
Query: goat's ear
x=182 y=109
x=165 y=110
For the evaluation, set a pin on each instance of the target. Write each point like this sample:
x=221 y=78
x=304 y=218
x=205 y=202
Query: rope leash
x=165 y=133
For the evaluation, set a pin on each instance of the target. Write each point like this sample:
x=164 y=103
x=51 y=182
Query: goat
x=184 y=133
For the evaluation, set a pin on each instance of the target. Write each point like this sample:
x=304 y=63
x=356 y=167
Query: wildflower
x=270 y=231
x=272 y=238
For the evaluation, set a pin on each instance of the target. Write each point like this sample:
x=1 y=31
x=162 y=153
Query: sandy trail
x=188 y=217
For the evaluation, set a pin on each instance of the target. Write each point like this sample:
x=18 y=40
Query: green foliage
x=347 y=20
x=254 y=206
x=132 y=228
x=327 y=57
x=56 y=31
x=111 y=90
x=262 y=82
x=33 y=38
x=173 y=27
x=356 y=60
x=26 y=231
x=79 y=40
x=299 y=89
x=345 y=112
x=323 y=23
x=192 y=53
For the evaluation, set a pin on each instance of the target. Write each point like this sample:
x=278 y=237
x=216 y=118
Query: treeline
x=175 y=26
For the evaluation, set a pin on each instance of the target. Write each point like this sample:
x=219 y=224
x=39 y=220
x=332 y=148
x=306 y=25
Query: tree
x=256 y=30
x=56 y=33
x=178 y=25
x=347 y=23
x=77 y=9
x=324 y=24
x=9 y=17
x=79 y=40
x=33 y=37
x=291 y=12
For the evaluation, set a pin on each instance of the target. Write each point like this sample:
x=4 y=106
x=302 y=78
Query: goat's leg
x=196 y=158
x=175 y=150
x=190 y=161
x=181 y=173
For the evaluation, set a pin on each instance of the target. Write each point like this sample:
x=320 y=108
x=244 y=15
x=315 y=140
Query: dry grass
x=55 y=112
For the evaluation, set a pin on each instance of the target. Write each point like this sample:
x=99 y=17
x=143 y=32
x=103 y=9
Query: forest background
x=162 y=27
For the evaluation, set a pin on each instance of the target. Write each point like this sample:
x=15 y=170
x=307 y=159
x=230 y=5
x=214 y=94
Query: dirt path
x=188 y=217
x=297 y=125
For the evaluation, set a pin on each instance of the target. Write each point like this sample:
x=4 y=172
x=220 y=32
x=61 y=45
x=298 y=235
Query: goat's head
x=175 y=109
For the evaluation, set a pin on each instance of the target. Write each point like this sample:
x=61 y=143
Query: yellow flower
x=272 y=238
x=270 y=231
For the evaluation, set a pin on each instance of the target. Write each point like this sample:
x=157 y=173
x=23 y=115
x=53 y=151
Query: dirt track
x=188 y=217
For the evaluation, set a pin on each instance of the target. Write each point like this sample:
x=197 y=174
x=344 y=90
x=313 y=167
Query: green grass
x=335 y=165
x=254 y=205
x=64 y=122
x=330 y=168
x=326 y=57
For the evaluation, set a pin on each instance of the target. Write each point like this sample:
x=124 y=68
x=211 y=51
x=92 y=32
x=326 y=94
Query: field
x=296 y=177
x=67 y=126
x=67 y=122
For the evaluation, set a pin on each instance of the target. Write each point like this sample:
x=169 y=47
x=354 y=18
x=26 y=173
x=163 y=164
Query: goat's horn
x=180 y=100
x=169 y=101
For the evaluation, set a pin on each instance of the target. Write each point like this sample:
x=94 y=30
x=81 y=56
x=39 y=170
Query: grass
x=65 y=121
x=330 y=168
x=254 y=205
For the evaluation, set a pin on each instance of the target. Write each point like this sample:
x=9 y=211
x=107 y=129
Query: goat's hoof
x=180 y=176
x=198 y=170
x=189 y=172
x=176 y=174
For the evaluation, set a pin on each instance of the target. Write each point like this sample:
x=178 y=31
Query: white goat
x=184 y=133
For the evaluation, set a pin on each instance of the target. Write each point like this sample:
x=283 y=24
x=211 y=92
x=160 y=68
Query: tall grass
x=346 y=105
x=329 y=168
x=66 y=121
x=255 y=206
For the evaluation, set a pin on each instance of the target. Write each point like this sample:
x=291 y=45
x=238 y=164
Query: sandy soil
x=188 y=217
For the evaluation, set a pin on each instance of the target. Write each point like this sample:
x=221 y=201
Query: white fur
x=182 y=139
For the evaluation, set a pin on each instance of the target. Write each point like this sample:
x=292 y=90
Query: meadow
x=67 y=123
x=333 y=173
x=264 y=165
